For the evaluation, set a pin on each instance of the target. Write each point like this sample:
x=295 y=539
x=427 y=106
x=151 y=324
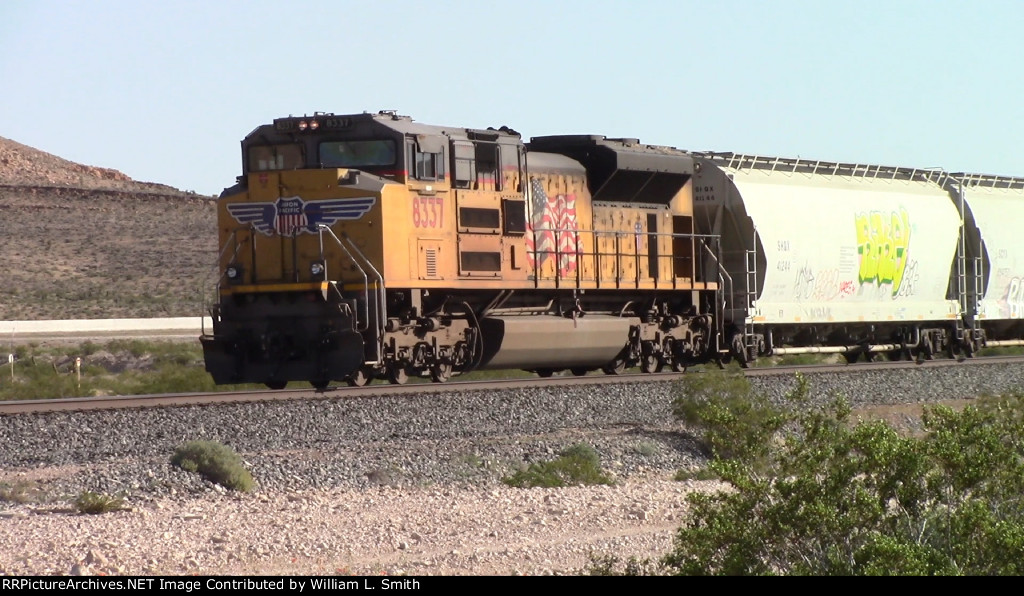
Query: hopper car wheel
x=398 y=374
x=579 y=372
x=277 y=384
x=678 y=366
x=851 y=357
x=360 y=378
x=616 y=367
x=544 y=373
x=441 y=372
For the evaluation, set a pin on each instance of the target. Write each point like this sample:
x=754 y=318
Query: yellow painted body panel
x=420 y=237
x=270 y=259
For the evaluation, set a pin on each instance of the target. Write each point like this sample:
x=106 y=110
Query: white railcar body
x=842 y=249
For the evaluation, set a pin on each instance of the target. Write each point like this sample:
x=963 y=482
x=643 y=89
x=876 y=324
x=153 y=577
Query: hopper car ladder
x=750 y=299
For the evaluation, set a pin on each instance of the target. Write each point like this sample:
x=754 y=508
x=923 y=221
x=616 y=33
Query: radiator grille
x=431 y=262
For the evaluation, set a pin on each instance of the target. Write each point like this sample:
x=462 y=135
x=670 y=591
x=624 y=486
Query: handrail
x=724 y=280
x=366 y=280
x=381 y=314
x=378 y=283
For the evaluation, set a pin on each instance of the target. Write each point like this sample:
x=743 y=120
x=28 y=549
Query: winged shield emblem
x=289 y=216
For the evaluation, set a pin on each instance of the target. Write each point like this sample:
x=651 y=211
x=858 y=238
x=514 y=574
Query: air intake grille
x=431 y=262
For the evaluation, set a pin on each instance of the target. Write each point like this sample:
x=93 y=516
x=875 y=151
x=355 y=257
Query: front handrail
x=366 y=280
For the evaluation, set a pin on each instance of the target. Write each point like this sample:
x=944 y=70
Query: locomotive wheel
x=851 y=357
x=616 y=367
x=360 y=378
x=545 y=372
x=579 y=372
x=319 y=385
x=678 y=365
x=651 y=363
x=441 y=372
x=276 y=384
x=398 y=374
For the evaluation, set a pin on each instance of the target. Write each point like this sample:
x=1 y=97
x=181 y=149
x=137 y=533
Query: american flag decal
x=288 y=216
x=551 y=230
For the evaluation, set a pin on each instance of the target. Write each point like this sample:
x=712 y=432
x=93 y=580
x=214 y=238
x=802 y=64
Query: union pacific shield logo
x=288 y=216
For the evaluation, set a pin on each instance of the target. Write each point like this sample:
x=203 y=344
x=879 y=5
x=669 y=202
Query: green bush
x=215 y=462
x=96 y=503
x=729 y=420
x=824 y=496
x=170 y=367
x=577 y=465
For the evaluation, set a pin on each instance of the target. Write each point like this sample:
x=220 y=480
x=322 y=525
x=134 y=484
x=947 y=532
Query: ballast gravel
x=393 y=485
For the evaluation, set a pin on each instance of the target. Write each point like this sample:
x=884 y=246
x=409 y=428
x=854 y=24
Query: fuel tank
x=548 y=341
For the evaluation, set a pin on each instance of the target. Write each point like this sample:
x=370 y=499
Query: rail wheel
x=441 y=372
x=398 y=374
x=678 y=365
x=579 y=372
x=277 y=384
x=651 y=363
x=545 y=372
x=615 y=367
x=319 y=384
x=360 y=378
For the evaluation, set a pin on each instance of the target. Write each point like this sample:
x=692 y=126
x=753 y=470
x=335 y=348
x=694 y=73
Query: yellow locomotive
x=370 y=246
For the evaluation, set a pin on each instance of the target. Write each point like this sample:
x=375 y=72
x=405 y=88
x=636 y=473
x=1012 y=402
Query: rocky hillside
x=79 y=241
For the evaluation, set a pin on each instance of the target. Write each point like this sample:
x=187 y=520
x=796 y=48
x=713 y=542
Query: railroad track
x=333 y=392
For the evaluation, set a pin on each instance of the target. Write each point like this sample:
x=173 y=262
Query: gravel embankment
x=368 y=485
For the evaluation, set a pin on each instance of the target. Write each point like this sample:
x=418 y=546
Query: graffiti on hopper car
x=883 y=246
x=822 y=286
x=1015 y=298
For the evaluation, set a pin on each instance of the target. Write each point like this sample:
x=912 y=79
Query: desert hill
x=79 y=241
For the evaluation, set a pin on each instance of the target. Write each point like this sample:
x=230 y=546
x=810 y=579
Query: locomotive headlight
x=316 y=268
x=233 y=273
x=313 y=125
x=303 y=125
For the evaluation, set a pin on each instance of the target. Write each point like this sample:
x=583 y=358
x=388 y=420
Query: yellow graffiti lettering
x=900 y=235
x=883 y=247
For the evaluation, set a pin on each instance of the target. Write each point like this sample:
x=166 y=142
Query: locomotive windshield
x=275 y=157
x=353 y=154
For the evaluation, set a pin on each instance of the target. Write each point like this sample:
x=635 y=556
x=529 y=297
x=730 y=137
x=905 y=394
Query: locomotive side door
x=489 y=207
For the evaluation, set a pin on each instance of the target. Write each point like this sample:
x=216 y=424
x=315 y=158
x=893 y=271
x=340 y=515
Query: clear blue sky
x=164 y=91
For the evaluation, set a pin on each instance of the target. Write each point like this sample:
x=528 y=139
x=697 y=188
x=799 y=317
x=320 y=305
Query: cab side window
x=425 y=158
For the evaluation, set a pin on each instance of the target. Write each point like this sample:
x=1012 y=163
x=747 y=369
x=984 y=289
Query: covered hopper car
x=370 y=246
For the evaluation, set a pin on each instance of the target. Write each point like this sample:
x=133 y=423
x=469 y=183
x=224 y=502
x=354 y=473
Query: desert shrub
x=96 y=503
x=728 y=418
x=611 y=565
x=18 y=492
x=215 y=462
x=825 y=496
x=577 y=465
